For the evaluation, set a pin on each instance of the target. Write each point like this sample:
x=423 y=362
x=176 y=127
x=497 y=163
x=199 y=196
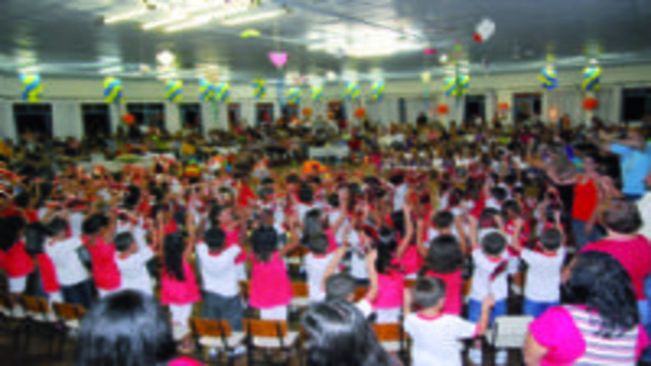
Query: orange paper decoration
x=128 y=119
x=590 y=104
x=503 y=105
x=360 y=112
x=442 y=109
x=307 y=112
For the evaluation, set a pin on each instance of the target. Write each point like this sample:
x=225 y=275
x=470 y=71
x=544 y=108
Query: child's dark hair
x=10 y=227
x=173 y=247
x=511 y=206
x=22 y=200
x=428 y=291
x=35 y=236
x=94 y=223
x=264 y=240
x=333 y=200
x=386 y=247
x=499 y=193
x=57 y=226
x=487 y=217
x=318 y=243
x=305 y=194
x=397 y=179
x=444 y=255
x=398 y=220
x=132 y=196
x=493 y=243
x=214 y=238
x=123 y=241
x=551 y=239
x=292 y=179
x=443 y=220
x=340 y=286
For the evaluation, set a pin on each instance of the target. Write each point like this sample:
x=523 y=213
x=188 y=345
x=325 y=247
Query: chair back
x=410 y=283
x=360 y=292
x=300 y=289
x=389 y=332
x=510 y=331
x=210 y=327
x=67 y=312
x=265 y=328
x=34 y=305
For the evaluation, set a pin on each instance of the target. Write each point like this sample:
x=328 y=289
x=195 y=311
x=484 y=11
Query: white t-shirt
x=315 y=267
x=133 y=270
x=358 y=259
x=75 y=220
x=219 y=271
x=399 y=197
x=333 y=216
x=543 y=275
x=364 y=307
x=67 y=265
x=481 y=283
x=435 y=341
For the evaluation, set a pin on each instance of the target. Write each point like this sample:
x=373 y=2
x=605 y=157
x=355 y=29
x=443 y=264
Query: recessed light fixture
x=125 y=16
x=165 y=58
x=255 y=17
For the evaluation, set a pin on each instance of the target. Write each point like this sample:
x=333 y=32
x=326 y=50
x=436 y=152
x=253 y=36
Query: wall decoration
x=591 y=78
x=206 y=90
x=174 y=91
x=223 y=92
x=442 y=109
x=278 y=59
x=317 y=93
x=377 y=90
x=259 y=88
x=590 y=104
x=294 y=96
x=548 y=78
x=113 y=90
x=484 y=30
x=352 y=91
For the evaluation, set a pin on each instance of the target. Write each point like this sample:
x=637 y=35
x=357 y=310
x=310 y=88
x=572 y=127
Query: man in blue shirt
x=635 y=162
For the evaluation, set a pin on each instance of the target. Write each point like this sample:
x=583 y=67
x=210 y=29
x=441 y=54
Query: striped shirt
x=619 y=350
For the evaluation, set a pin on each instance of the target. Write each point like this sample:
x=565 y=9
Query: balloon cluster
x=352 y=91
x=317 y=93
x=113 y=90
x=548 y=78
x=294 y=96
x=377 y=90
x=259 y=88
x=174 y=91
x=591 y=78
x=456 y=85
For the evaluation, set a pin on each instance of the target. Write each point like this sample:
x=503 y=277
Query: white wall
x=67 y=94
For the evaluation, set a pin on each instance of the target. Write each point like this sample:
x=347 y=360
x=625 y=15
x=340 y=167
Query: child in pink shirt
x=270 y=290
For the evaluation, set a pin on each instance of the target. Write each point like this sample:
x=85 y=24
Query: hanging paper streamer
x=450 y=86
x=259 y=88
x=548 y=78
x=174 y=91
x=278 y=59
x=317 y=93
x=223 y=92
x=113 y=90
x=591 y=78
x=484 y=30
x=352 y=91
x=206 y=90
x=377 y=90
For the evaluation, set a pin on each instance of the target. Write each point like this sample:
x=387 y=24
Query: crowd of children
x=483 y=219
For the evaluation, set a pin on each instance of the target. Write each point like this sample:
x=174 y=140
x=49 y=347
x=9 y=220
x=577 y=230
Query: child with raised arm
x=436 y=335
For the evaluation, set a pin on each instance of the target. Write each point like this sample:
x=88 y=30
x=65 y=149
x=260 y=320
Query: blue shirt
x=635 y=165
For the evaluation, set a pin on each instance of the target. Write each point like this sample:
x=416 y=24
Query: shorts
x=536 y=308
x=181 y=314
x=384 y=316
x=474 y=310
x=17 y=284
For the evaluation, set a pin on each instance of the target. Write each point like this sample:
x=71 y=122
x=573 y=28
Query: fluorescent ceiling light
x=255 y=17
x=30 y=69
x=205 y=19
x=110 y=70
x=165 y=21
x=125 y=16
x=165 y=58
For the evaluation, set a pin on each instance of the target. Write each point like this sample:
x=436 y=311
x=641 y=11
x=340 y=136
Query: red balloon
x=503 y=105
x=360 y=112
x=442 y=109
x=477 y=38
x=590 y=104
x=128 y=119
x=307 y=112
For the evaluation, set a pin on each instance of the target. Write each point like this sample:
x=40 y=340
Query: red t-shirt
x=634 y=255
x=48 y=273
x=16 y=262
x=586 y=197
x=453 y=290
x=105 y=269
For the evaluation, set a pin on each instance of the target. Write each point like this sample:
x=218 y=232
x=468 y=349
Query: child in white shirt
x=316 y=262
x=219 y=274
x=435 y=336
x=132 y=263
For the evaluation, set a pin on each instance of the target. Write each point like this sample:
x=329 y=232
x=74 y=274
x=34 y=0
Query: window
x=290 y=112
x=148 y=114
x=33 y=118
x=234 y=115
x=526 y=106
x=191 y=116
x=264 y=114
x=96 y=119
x=475 y=108
x=402 y=110
x=636 y=104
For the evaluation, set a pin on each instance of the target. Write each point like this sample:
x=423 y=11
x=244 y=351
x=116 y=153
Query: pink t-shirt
x=16 y=262
x=633 y=254
x=270 y=284
x=453 y=288
x=390 y=290
x=555 y=330
x=177 y=292
x=411 y=260
x=185 y=361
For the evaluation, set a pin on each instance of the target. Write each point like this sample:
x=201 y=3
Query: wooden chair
x=301 y=298
x=216 y=335
x=11 y=319
x=244 y=289
x=295 y=260
x=508 y=332
x=69 y=317
x=360 y=292
x=37 y=315
x=269 y=335
x=467 y=285
x=410 y=283
x=393 y=338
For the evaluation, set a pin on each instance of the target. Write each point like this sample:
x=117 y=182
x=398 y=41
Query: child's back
x=435 y=340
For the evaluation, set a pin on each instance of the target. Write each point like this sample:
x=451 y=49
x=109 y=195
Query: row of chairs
x=23 y=315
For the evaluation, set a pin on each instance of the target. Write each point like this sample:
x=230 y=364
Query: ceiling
x=70 y=38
